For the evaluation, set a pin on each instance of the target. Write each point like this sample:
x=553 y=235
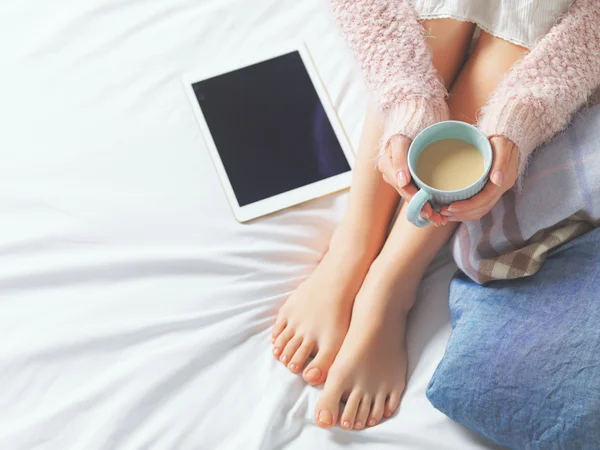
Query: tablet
x=271 y=131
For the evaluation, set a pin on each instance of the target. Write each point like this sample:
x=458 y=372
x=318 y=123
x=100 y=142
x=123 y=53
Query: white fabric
x=135 y=311
x=522 y=22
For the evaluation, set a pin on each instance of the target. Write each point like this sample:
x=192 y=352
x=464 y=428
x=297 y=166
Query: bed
x=135 y=311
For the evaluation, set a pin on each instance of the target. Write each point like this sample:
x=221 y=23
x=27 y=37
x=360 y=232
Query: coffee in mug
x=450 y=164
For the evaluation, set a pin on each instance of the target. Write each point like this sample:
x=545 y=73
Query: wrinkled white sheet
x=134 y=311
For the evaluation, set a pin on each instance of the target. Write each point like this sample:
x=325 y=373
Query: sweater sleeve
x=538 y=97
x=389 y=45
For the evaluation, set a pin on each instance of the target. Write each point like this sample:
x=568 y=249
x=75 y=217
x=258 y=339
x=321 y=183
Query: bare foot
x=369 y=372
x=315 y=318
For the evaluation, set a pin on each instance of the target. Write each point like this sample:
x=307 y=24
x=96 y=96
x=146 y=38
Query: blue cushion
x=522 y=366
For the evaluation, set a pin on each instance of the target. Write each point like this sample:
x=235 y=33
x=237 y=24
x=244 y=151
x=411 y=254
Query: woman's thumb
x=502 y=149
x=399 y=146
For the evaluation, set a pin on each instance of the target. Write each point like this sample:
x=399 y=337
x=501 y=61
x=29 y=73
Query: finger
x=469 y=218
x=408 y=192
x=475 y=214
x=489 y=192
x=427 y=211
x=399 y=149
x=444 y=211
x=385 y=167
x=503 y=150
x=436 y=218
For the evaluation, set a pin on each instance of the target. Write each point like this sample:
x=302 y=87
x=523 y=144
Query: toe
x=363 y=412
x=290 y=349
x=299 y=359
x=377 y=410
x=392 y=403
x=280 y=324
x=282 y=341
x=328 y=406
x=316 y=372
x=349 y=414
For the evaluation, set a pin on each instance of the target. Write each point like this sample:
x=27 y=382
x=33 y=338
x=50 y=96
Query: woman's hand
x=393 y=165
x=503 y=176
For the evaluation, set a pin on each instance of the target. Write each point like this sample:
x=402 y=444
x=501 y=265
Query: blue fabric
x=522 y=366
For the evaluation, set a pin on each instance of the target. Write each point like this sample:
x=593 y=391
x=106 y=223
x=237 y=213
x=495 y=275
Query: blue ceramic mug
x=450 y=129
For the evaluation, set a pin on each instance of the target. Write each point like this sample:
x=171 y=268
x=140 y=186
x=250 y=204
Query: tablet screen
x=270 y=128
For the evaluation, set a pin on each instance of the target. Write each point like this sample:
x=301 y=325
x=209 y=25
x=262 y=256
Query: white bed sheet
x=134 y=311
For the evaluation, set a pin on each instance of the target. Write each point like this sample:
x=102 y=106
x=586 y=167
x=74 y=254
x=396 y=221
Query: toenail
x=372 y=422
x=276 y=351
x=293 y=367
x=346 y=424
x=325 y=418
x=284 y=358
x=358 y=424
x=313 y=373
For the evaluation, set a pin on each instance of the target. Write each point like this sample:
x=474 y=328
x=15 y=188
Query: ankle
x=400 y=280
x=401 y=264
x=354 y=243
x=380 y=301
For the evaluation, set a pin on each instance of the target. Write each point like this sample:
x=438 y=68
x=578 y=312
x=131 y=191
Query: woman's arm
x=538 y=97
x=390 y=47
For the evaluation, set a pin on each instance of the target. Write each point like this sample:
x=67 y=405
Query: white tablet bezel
x=295 y=196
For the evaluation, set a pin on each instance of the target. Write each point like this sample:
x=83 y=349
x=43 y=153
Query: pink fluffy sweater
x=535 y=100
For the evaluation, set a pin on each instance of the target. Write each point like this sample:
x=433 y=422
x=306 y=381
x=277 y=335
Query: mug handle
x=414 y=209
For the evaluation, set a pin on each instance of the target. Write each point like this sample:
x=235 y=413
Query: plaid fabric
x=528 y=259
x=560 y=201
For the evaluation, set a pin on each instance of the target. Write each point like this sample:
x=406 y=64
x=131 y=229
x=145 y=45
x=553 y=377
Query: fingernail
x=497 y=178
x=401 y=178
x=445 y=213
x=452 y=219
x=276 y=351
x=284 y=358
x=313 y=374
x=372 y=422
x=293 y=367
x=453 y=209
x=424 y=215
x=325 y=417
x=346 y=424
x=358 y=424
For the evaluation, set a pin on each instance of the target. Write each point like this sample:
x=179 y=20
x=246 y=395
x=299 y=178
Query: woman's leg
x=370 y=368
x=315 y=318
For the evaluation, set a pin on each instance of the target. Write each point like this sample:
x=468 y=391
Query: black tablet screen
x=270 y=128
